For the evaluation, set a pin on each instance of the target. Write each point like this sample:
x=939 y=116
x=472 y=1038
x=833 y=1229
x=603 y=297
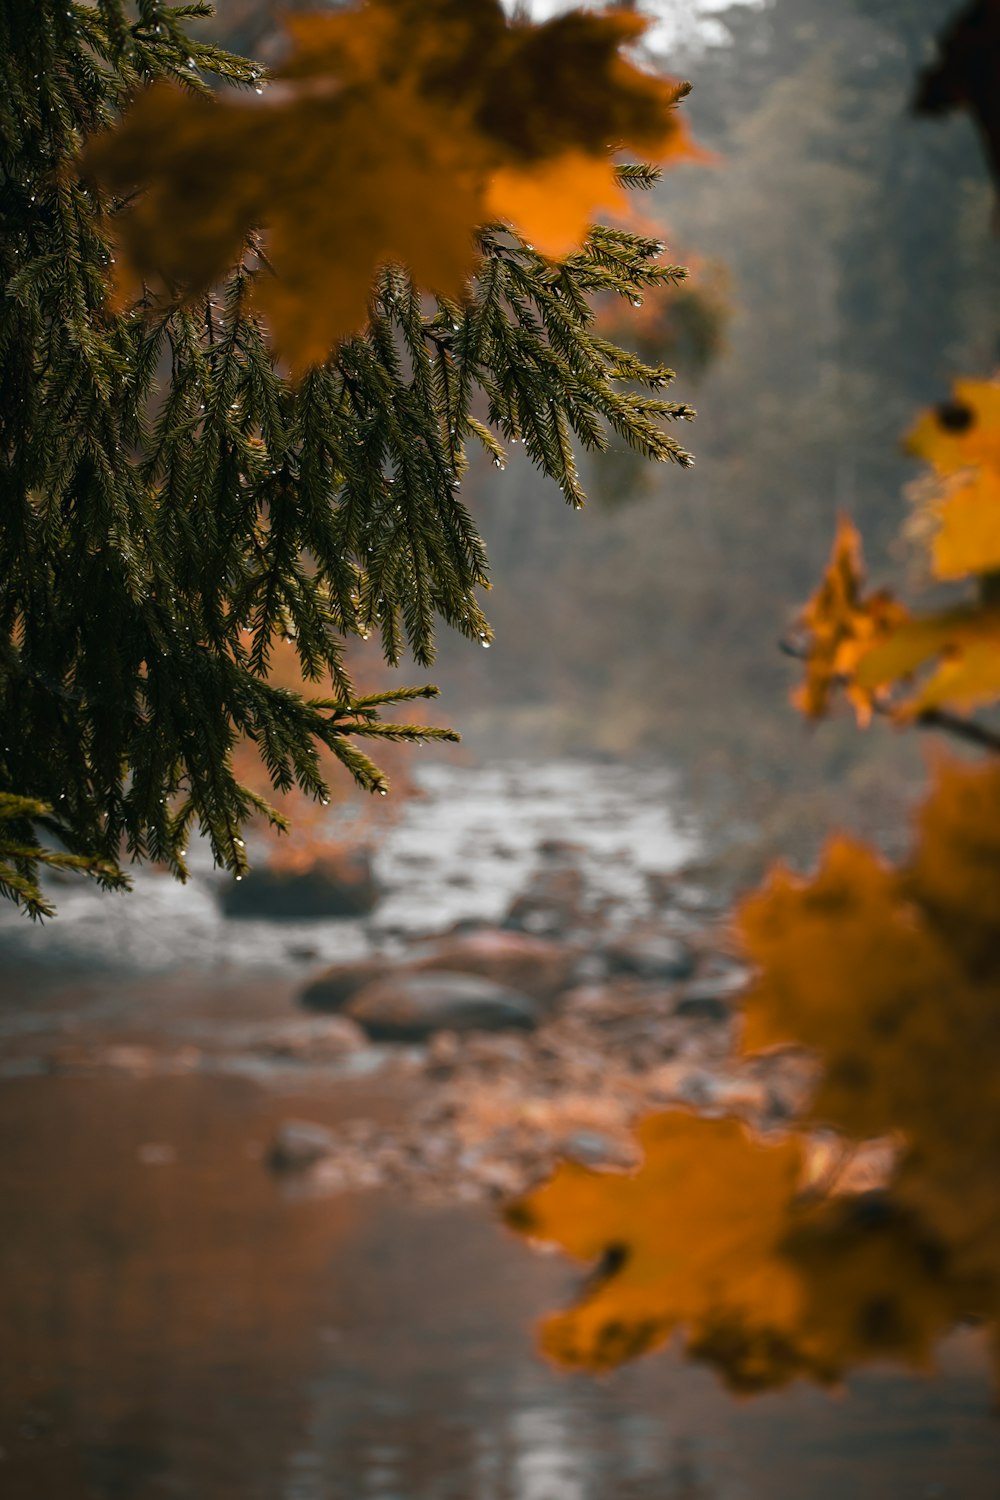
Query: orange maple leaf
x=688 y=1240
x=966 y=537
x=841 y=625
x=893 y=978
x=392 y=133
x=712 y=1237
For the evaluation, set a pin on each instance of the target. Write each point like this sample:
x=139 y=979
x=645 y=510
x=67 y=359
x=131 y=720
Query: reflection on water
x=174 y=1324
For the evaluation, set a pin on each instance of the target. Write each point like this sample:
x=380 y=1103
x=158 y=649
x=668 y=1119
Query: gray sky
x=673 y=21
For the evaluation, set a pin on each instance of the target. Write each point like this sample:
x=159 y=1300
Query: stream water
x=462 y=848
x=177 y=1323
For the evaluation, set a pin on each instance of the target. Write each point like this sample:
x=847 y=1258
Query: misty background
x=852 y=247
x=181 y=1318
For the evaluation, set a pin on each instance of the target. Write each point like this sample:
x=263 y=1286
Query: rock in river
x=338 y=885
x=299 y=1144
x=650 y=954
x=313 y=1039
x=704 y=1005
x=408 y=1007
x=552 y=902
x=331 y=990
x=514 y=959
x=711 y=999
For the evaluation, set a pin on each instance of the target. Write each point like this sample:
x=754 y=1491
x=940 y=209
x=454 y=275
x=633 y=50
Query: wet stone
x=561 y=849
x=593 y=1148
x=550 y=905
x=444 y=1054
x=299 y=1144
x=409 y=1007
x=331 y=990
x=651 y=955
x=705 y=1005
x=340 y=885
x=502 y=1052
x=516 y=960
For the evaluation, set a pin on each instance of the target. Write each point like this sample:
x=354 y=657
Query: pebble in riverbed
x=514 y=960
x=500 y=1109
x=410 y=1007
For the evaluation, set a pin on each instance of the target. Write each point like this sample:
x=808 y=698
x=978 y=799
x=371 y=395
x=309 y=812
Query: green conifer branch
x=171 y=505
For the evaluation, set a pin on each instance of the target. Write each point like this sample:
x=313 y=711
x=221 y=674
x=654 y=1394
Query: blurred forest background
x=855 y=246
x=841 y=262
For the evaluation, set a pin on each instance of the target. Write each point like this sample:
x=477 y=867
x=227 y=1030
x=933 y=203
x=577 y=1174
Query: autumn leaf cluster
x=889 y=977
x=869 y=645
x=722 y=1236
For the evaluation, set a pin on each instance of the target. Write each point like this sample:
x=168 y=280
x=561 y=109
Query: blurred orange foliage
x=357 y=816
x=716 y=1237
x=961 y=441
x=891 y=977
x=842 y=625
x=871 y=647
x=395 y=129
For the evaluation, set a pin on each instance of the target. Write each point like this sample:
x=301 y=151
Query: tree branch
x=930 y=718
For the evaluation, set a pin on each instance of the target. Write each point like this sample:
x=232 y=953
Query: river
x=177 y=1321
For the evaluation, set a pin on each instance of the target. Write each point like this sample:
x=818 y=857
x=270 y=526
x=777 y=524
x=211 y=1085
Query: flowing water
x=177 y=1323
x=462 y=848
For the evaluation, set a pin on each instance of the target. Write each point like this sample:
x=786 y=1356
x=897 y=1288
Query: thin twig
x=928 y=718
x=963 y=729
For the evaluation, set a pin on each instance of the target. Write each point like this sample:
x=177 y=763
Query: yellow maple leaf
x=841 y=624
x=966 y=538
x=377 y=142
x=960 y=439
x=961 y=433
x=965 y=644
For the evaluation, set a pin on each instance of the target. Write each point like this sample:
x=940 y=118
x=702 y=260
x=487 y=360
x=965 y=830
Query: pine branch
x=172 y=506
